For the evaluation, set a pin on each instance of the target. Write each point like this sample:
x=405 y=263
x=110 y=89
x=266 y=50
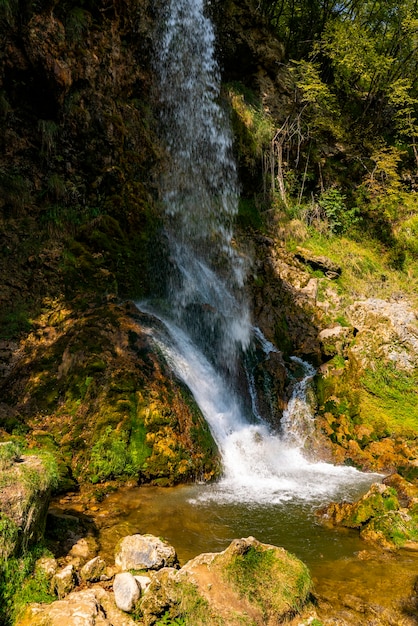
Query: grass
x=366 y=263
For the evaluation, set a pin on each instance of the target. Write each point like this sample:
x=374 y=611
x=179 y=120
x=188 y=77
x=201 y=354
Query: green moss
x=289 y=578
x=395 y=527
x=375 y=505
x=390 y=396
x=14 y=323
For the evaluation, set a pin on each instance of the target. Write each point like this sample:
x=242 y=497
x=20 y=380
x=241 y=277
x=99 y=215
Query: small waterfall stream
x=206 y=314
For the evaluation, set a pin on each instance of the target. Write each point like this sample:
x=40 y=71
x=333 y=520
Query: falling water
x=258 y=465
x=206 y=322
x=199 y=187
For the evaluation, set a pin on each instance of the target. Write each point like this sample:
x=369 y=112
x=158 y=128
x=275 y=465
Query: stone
x=127 y=591
x=47 y=565
x=143 y=582
x=64 y=581
x=90 y=607
x=93 y=570
x=137 y=552
x=85 y=548
x=249 y=582
x=322 y=263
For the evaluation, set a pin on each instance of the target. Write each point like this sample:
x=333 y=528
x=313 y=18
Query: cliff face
x=79 y=232
x=78 y=155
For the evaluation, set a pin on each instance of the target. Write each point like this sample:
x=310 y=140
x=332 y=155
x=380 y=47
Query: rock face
x=64 y=581
x=102 y=362
x=137 y=552
x=24 y=498
x=394 y=335
x=248 y=583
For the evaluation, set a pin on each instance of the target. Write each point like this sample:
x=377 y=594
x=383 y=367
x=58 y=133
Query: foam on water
x=259 y=466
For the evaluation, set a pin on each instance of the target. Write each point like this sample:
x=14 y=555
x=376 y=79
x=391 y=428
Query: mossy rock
x=378 y=515
x=248 y=583
x=99 y=394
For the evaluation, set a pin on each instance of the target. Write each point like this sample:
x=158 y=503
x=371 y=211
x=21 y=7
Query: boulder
x=93 y=570
x=137 y=552
x=127 y=591
x=379 y=516
x=143 y=582
x=321 y=263
x=64 y=581
x=249 y=582
x=48 y=566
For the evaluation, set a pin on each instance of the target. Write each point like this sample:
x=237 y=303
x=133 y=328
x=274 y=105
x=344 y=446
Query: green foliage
x=167 y=620
x=8 y=11
x=77 y=23
x=8 y=537
x=340 y=218
x=49 y=131
x=10 y=452
x=15 y=189
x=13 y=323
x=21 y=584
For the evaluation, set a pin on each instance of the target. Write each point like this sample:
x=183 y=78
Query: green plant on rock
x=49 y=131
x=77 y=23
x=290 y=579
x=10 y=452
x=109 y=457
x=8 y=536
x=21 y=584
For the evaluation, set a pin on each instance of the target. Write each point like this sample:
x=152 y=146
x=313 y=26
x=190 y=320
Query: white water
x=208 y=324
x=199 y=188
x=259 y=466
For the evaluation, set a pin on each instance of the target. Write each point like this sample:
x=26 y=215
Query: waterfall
x=206 y=325
x=259 y=466
x=199 y=189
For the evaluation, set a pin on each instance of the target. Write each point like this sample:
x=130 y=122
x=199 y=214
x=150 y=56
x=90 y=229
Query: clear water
x=194 y=520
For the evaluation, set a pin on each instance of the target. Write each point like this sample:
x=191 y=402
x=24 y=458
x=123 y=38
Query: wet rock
x=85 y=548
x=378 y=516
x=139 y=552
x=127 y=591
